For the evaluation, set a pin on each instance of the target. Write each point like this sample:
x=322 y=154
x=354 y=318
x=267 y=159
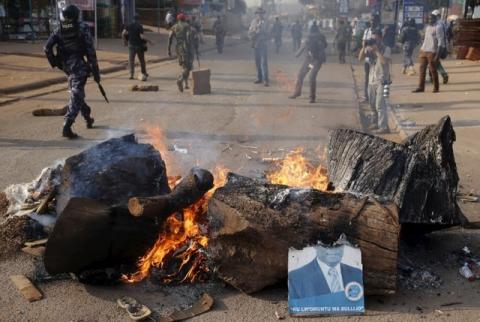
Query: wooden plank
x=35 y=251
x=39 y=242
x=26 y=288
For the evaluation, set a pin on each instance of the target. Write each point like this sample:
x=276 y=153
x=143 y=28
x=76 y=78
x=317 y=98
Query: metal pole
x=158 y=15
x=31 y=20
x=96 y=25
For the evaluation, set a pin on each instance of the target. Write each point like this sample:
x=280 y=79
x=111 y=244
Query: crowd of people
x=73 y=42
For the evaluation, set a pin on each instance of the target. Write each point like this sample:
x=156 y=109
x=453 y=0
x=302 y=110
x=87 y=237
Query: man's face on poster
x=330 y=256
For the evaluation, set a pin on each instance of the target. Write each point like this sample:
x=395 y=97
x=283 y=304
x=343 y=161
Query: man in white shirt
x=367 y=35
x=429 y=56
x=324 y=275
x=379 y=77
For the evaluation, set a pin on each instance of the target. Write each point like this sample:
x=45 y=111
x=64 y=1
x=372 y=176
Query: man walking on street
x=409 y=38
x=183 y=33
x=373 y=25
x=219 y=30
x=429 y=55
x=442 y=44
x=73 y=42
x=137 y=45
x=277 y=30
x=314 y=47
x=379 y=79
x=341 y=39
x=296 y=31
x=259 y=34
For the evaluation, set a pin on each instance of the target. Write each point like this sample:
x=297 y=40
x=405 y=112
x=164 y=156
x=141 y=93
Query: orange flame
x=179 y=234
x=284 y=81
x=296 y=171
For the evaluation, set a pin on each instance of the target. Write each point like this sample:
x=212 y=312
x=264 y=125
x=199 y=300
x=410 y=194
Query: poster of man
x=325 y=281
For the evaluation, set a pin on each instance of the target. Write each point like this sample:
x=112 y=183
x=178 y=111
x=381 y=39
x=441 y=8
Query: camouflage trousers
x=187 y=64
x=76 y=104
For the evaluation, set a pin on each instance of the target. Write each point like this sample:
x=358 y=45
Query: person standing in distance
x=137 y=45
x=73 y=43
x=219 y=30
x=314 y=46
x=296 y=31
x=259 y=34
x=185 y=49
x=368 y=34
x=277 y=30
x=429 y=56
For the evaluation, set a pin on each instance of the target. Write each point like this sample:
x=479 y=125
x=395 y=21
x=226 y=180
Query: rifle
x=100 y=87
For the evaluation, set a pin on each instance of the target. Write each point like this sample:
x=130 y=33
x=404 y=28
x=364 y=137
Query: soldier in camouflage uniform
x=73 y=43
x=184 y=36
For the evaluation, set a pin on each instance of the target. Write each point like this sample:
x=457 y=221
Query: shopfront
x=26 y=19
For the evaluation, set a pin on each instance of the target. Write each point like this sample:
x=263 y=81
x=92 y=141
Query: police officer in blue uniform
x=67 y=49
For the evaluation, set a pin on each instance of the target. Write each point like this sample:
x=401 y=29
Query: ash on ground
x=178 y=297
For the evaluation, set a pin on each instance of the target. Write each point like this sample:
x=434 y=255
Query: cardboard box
x=201 y=82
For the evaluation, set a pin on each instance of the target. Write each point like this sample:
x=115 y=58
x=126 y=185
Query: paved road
x=215 y=129
x=238 y=112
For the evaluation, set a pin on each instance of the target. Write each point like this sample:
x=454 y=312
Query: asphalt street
x=213 y=128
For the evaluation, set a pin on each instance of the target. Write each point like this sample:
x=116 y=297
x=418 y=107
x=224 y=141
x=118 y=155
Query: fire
x=182 y=240
x=296 y=171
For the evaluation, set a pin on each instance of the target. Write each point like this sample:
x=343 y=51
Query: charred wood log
x=113 y=172
x=190 y=189
x=253 y=224
x=90 y=235
x=419 y=175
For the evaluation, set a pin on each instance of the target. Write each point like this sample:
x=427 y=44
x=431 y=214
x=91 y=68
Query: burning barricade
x=115 y=207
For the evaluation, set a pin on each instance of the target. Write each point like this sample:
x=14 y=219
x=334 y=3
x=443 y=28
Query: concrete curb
x=57 y=80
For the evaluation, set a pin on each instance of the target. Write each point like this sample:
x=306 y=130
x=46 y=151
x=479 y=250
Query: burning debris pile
x=116 y=207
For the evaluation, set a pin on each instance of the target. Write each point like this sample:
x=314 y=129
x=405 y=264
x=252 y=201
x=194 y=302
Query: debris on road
x=203 y=305
x=26 y=288
x=135 y=310
x=467 y=197
x=271 y=160
x=201 y=82
x=466 y=272
x=144 y=88
x=50 y=111
x=279 y=316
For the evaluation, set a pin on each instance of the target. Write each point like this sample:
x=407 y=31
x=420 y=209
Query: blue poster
x=325 y=281
x=413 y=9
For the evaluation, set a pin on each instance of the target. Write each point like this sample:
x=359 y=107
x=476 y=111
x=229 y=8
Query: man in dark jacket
x=324 y=275
x=341 y=39
x=219 y=30
x=314 y=46
x=137 y=45
x=277 y=30
x=296 y=31
x=409 y=37
x=72 y=43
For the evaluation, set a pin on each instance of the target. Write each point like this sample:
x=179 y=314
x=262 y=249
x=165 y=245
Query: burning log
x=419 y=175
x=90 y=235
x=187 y=192
x=94 y=228
x=253 y=224
x=112 y=172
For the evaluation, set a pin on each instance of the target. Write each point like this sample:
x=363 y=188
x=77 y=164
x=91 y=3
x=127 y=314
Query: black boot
x=90 y=121
x=67 y=130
